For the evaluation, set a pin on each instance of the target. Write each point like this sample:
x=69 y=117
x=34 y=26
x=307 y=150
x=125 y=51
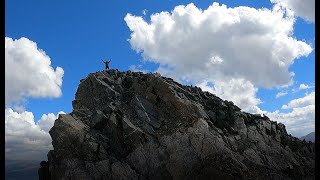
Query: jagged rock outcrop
x=131 y=125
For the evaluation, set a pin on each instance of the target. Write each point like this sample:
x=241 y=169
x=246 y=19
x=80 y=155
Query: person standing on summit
x=106 y=63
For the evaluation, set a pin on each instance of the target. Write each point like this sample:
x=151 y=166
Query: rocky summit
x=132 y=125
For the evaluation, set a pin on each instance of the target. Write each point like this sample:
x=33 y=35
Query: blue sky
x=75 y=35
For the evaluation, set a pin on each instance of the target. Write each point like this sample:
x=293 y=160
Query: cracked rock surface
x=131 y=125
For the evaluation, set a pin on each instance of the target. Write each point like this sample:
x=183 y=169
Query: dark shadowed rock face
x=130 y=125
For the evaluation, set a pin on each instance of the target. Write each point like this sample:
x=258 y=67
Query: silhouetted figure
x=43 y=172
x=106 y=63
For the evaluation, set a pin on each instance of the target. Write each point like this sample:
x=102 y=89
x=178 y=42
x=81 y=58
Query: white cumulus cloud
x=195 y=45
x=302 y=8
x=309 y=99
x=279 y=94
x=299 y=121
x=47 y=120
x=138 y=68
x=231 y=90
x=25 y=139
x=303 y=86
x=28 y=72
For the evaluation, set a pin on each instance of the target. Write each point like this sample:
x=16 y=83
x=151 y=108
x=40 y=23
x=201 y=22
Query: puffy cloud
x=256 y=110
x=138 y=68
x=25 y=139
x=309 y=99
x=302 y=8
x=28 y=72
x=301 y=119
x=47 y=120
x=279 y=94
x=217 y=43
x=231 y=89
x=303 y=86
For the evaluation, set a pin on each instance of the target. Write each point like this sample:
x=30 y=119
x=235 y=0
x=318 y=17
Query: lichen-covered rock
x=130 y=125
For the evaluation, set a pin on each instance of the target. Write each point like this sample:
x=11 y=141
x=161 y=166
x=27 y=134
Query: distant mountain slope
x=308 y=137
x=131 y=125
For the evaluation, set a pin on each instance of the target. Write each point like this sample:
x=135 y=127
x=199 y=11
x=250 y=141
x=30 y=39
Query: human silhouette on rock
x=106 y=63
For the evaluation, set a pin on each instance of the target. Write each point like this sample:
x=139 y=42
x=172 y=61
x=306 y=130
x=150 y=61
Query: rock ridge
x=132 y=125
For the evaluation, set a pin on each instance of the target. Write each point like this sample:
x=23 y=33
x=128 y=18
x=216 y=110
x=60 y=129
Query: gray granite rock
x=131 y=125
